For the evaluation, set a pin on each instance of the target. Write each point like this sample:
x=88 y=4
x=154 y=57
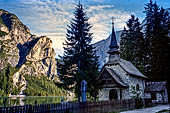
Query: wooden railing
x=73 y=107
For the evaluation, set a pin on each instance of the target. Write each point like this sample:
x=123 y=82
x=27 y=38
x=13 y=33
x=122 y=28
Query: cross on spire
x=113 y=21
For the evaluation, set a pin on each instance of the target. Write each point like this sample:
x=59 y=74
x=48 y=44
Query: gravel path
x=149 y=110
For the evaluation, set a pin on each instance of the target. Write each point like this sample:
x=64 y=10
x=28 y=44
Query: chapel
x=119 y=79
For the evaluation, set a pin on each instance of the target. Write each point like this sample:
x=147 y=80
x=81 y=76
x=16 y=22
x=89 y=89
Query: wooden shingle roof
x=116 y=77
x=130 y=68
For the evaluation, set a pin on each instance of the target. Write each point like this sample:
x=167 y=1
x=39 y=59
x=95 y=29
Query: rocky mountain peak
x=30 y=54
x=16 y=29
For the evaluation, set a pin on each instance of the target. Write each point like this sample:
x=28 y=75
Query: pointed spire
x=113 y=43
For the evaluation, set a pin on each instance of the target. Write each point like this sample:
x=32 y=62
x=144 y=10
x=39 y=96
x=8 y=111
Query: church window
x=137 y=87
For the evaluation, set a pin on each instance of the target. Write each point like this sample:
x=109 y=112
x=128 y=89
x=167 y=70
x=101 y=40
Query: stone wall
x=133 y=83
x=104 y=93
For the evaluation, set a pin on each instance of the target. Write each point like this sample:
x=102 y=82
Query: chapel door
x=113 y=94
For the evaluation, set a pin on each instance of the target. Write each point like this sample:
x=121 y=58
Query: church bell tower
x=114 y=53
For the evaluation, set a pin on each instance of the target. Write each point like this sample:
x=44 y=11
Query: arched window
x=137 y=87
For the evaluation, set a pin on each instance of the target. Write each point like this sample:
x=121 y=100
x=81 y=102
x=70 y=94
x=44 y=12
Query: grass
x=164 y=111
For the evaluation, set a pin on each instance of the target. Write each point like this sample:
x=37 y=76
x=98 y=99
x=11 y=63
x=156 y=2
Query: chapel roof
x=126 y=66
x=130 y=68
x=116 y=77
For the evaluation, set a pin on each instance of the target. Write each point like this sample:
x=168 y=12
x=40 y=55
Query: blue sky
x=51 y=17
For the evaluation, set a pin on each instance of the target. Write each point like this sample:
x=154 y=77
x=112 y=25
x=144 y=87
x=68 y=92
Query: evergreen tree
x=157 y=41
x=132 y=42
x=147 y=35
x=6 y=80
x=79 y=60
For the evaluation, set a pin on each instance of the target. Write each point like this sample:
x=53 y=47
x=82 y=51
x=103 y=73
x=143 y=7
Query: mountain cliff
x=28 y=54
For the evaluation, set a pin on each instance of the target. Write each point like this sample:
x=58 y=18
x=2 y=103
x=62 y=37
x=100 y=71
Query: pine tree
x=79 y=60
x=157 y=41
x=6 y=79
x=147 y=34
x=132 y=42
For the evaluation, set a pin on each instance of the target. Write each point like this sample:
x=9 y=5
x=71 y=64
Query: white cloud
x=101 y=20
x=48 y=17
x=54 y=17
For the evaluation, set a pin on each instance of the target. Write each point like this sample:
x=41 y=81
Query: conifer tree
x=6 y=80
x=157 y=43
x=79 y=60
x=132 y=42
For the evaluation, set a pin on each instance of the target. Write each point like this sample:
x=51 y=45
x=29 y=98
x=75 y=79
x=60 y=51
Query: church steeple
x=113 y=47
x=113 y=43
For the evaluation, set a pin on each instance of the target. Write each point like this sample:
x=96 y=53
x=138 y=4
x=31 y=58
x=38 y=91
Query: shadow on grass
x=164 y=111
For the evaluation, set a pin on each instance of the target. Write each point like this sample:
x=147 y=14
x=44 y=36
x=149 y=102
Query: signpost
x=83 y=90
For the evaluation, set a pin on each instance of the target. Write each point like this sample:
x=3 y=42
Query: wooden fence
x=73 y=107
